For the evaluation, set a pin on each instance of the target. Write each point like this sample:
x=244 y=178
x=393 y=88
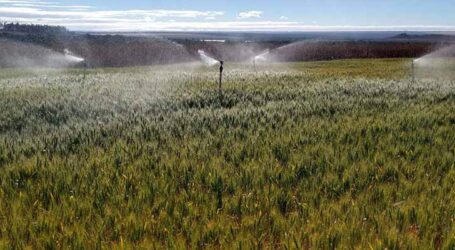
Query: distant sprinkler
x=209 y=61
x=71 y=58
x=85 y=65
x=261 y=57
x=77 y=61
x=220 y=90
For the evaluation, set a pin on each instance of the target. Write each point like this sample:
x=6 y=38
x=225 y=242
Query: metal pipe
x=220 y=82
x=85 y=70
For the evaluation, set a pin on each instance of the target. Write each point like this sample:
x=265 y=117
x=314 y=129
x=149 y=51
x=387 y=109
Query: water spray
x=209 y=61
x=261 y=57
x=76 y=61
x=71 y=58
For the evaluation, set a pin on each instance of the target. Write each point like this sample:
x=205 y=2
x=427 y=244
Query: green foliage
x=313 y=155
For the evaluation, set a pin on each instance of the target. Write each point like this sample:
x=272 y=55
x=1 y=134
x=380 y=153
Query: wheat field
x=347 y=154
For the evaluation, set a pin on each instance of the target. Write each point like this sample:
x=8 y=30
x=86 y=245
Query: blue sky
x=234 y=15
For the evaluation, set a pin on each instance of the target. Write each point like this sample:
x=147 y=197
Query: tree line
x=33 y=28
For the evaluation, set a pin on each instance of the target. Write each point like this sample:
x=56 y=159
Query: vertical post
x=221 y=80
x=254 y=64
x=85 y=70
x=413 y=71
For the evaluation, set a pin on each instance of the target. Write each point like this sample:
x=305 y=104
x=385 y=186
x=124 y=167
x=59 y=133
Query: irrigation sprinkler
x=85 y=66
x=209 y=61
x=76 y=61
x=220 y=90
x=261 y=57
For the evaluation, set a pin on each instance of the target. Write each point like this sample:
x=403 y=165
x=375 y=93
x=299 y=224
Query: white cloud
x=13 y=9
x=78 y=7
x=284 y=18
x=250 y=14
x=138 y=14
x=41 y=4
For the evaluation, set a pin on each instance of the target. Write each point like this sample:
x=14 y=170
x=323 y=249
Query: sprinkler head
x=221 y=65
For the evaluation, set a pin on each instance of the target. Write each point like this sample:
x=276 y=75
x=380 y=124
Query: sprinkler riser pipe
x=220 y=90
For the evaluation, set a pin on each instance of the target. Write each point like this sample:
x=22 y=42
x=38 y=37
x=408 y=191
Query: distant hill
x=424 y=37
x=31 y=44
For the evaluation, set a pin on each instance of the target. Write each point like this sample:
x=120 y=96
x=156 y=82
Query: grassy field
x=341 y=154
